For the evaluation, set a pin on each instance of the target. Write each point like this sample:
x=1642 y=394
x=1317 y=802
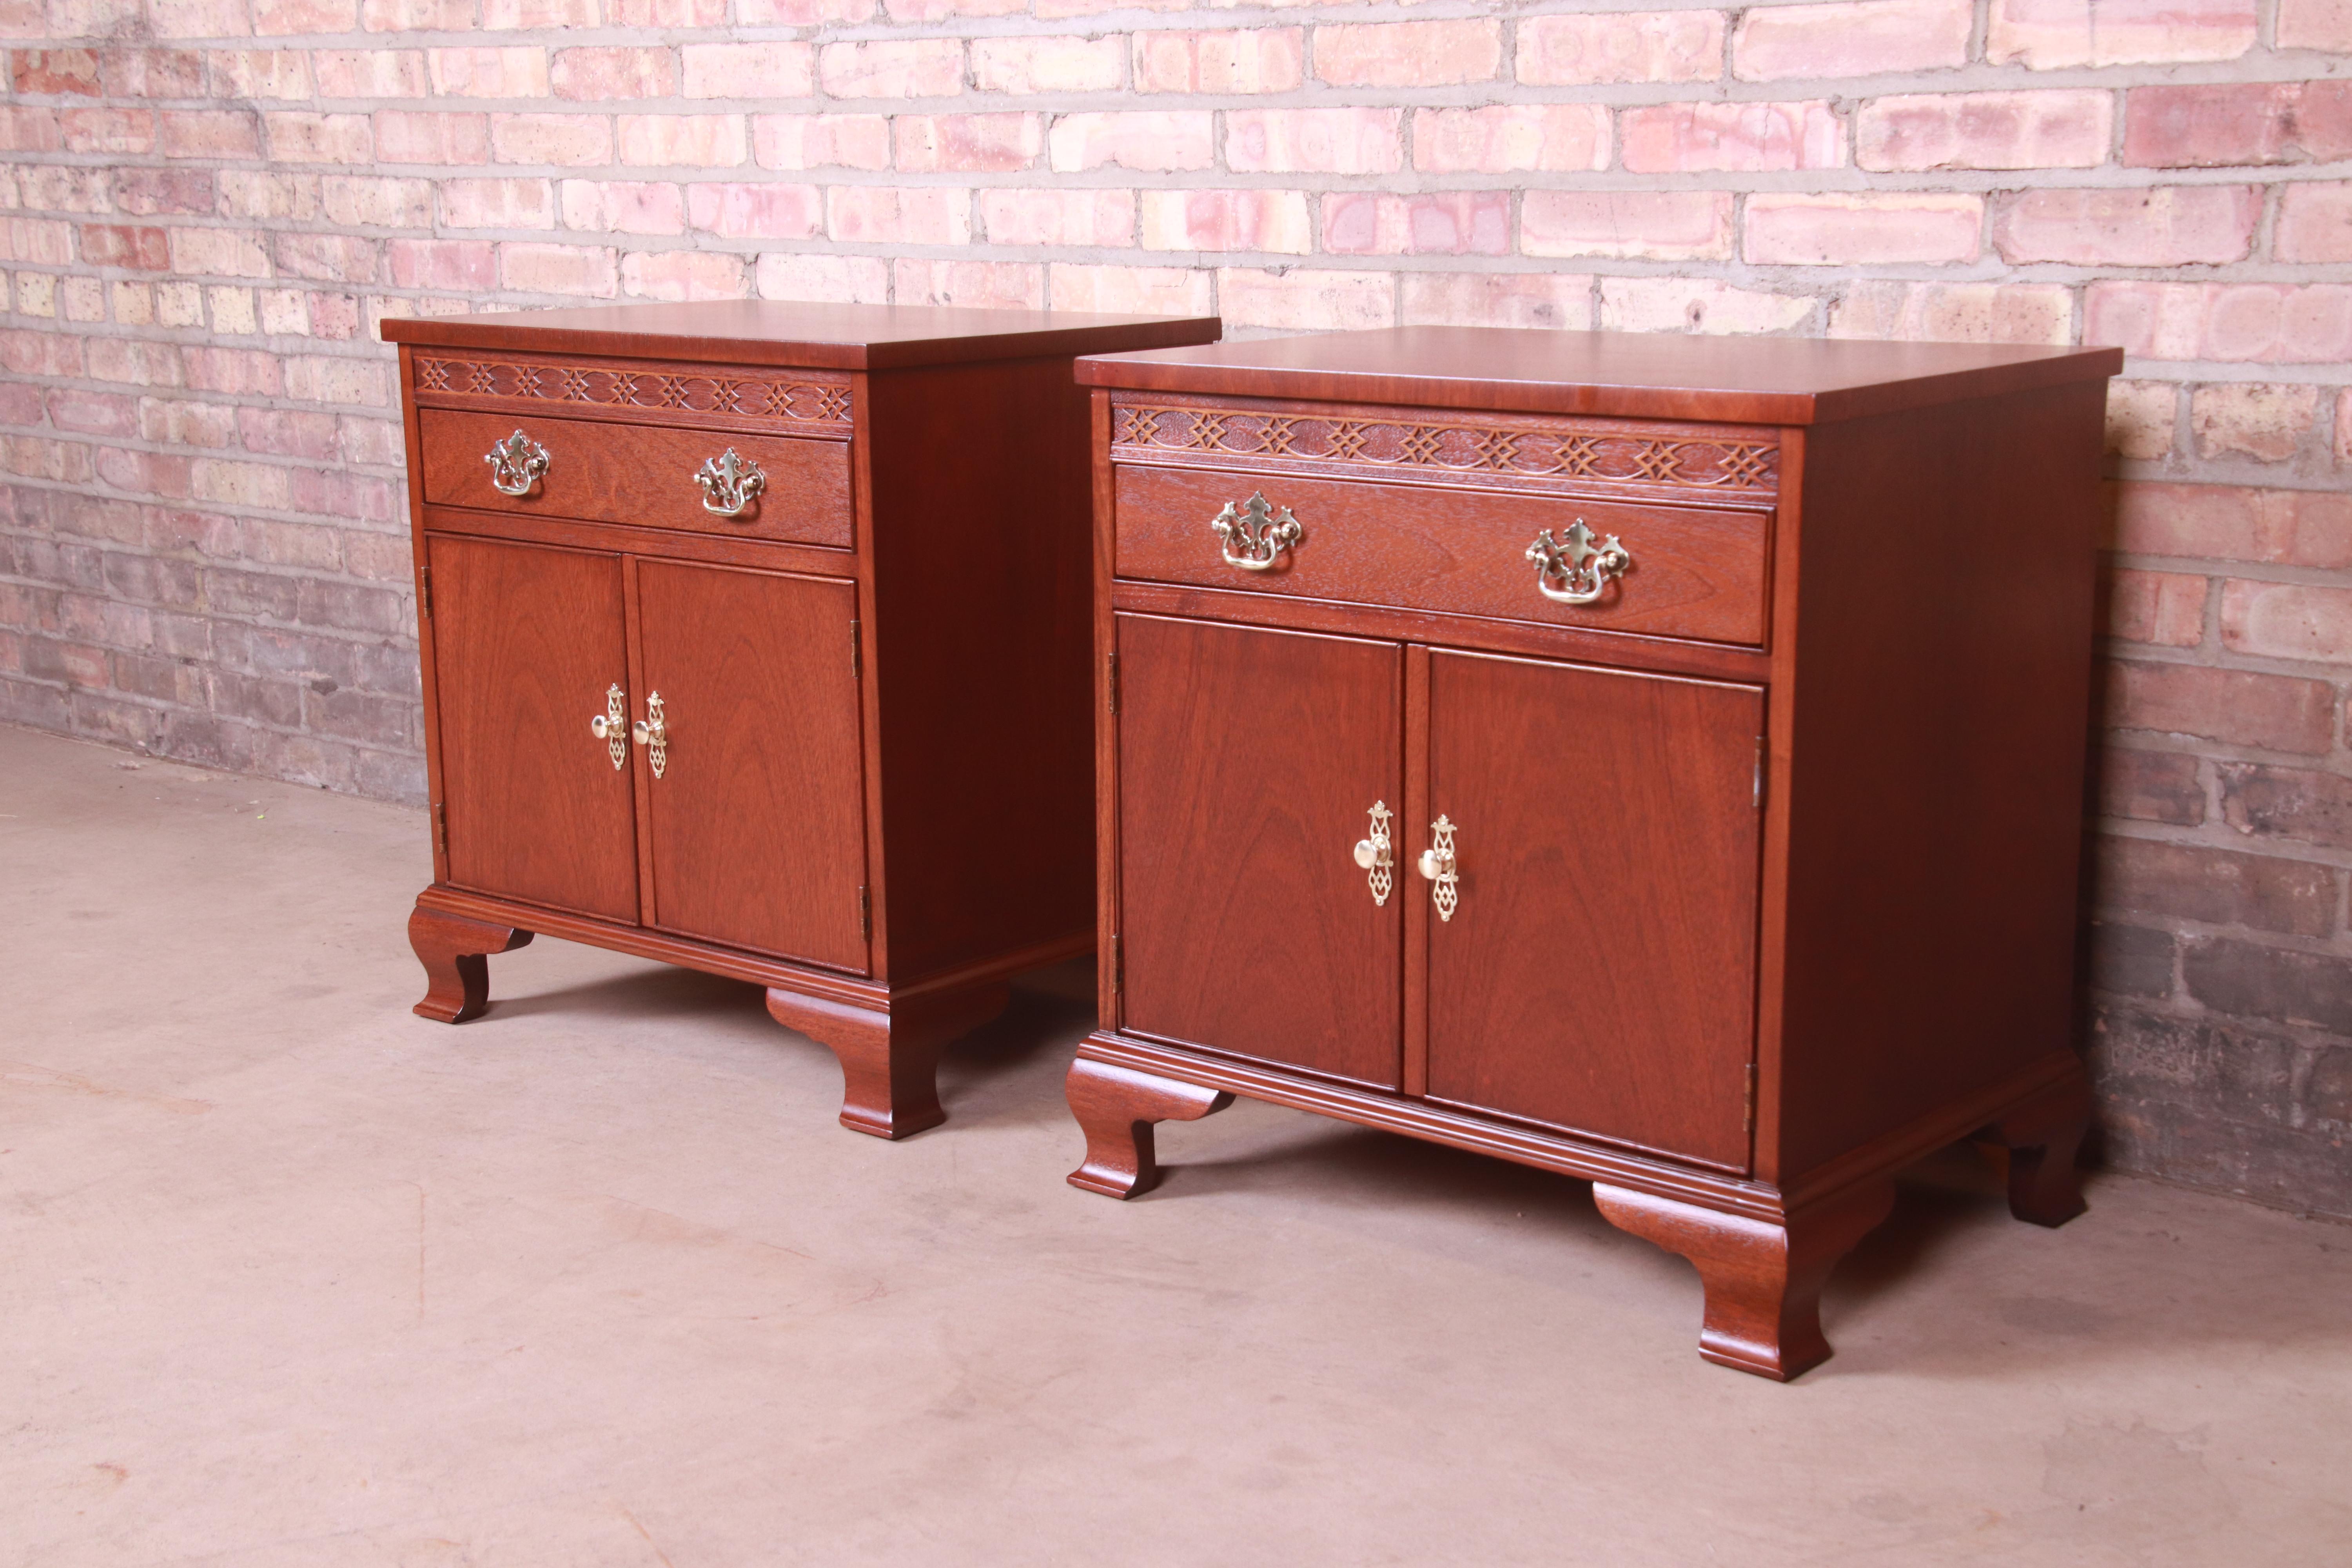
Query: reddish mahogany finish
x=731 y=333
x=1764 y=860
x=1119 y=1107
x=2041 y=1135
x=1763 y=1277
x=889 y=1062
x=1636 y=375
x=1253 y=758
x=455 y=951
x=1699 y=573
x=873 y=799
x=1598 y=975
x=757 y=823
x=984 y=737
x=530 y=640
x=603 y=472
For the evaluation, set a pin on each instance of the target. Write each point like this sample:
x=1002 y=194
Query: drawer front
x=638 y=475
x=1691 y=572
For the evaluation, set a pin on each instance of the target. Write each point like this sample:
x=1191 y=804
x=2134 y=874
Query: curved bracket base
x=455 y=952
x=1763 y=1281
x=889 y=1061
x=2042 y=1136
x=1117 y=1107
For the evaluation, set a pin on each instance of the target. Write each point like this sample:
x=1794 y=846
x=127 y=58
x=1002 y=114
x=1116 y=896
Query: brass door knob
x=611 y=726
x=1374 y=854
x=1437 y=864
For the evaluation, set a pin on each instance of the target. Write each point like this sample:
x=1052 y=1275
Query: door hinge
x=440 y=830
x=1750 y=1125
x=1110 y=665
x=865 y=915
x=857 y=653
x=425 y=592
x=1762 y=754
x=1118 y=966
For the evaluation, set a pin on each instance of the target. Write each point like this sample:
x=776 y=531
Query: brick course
x=205 y=205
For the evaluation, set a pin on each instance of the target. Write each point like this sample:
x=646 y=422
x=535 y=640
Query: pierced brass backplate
x=1261 y=530
x=652 y=732
x=1582 y=569
x=1374 y=856
x=516 y=464
x=729 y=483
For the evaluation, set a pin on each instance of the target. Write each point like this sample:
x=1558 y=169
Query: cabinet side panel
x=983 y=500
x=1940 y=671
x=413 y=448
x=1106 y=733
x=527 y=646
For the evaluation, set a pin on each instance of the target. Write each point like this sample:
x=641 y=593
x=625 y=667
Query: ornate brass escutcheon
x=1584 y=570
x=1438 y=865
x=1374 y=854
x=652 y=732
x=1263 y=531
x=516 y=464
x=729 y=483
x=611 y=726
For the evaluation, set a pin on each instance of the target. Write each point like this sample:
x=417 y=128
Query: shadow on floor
x=1009 y=1070
x=2030 y=1297
x=1938 y=1202
x=982 y=1076
x=654 y=992
x=1372 y=1165
x=993 y=1078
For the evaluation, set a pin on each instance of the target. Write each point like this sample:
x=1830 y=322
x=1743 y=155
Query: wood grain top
x=782 y=332
x=1741 y=380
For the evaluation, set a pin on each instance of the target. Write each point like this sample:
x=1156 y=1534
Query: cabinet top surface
x=1772 y=381
x=776 y=331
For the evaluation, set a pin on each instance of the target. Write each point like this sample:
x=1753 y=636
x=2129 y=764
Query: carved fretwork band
x=1436 y=446
x=810 y=405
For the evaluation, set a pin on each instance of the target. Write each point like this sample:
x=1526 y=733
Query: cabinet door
x=526 y=642
x=1248 y=762
x=1598 y=972
x=758 y=819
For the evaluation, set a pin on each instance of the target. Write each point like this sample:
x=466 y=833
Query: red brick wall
x=208 y=204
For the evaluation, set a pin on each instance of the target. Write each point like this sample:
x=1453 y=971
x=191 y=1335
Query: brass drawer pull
x=1438 y=865
x=611 y=726
x=516 y=464
x=1263 y=532
x=1584 y=570
x=1374 y=854
x=729 y=483
x=652 y=732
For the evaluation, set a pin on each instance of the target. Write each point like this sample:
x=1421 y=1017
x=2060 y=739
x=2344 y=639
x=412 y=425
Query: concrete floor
x=291 y=1277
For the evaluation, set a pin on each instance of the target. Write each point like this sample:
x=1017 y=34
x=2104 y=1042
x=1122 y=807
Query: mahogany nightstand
x=755 y=640
x=1654 y=758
